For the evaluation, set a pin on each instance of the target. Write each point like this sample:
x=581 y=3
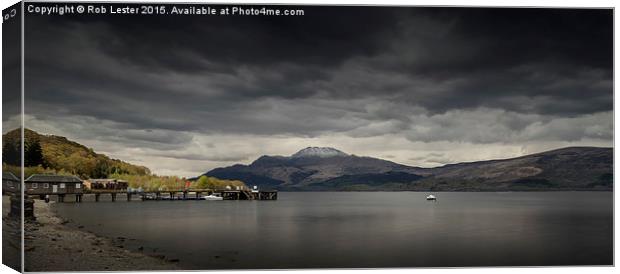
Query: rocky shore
x=52 y=245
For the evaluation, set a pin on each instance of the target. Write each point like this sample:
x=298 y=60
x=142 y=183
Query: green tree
x=102 y=169
x=33 y=154
x=202 y=182
x=11 y=152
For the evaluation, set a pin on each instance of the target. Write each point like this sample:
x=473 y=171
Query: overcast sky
x=418 y=86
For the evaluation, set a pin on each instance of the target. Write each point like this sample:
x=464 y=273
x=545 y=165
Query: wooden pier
x=169 y=195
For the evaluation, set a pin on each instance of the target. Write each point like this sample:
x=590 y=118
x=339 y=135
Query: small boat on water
x=213 y=197
x=431 y=198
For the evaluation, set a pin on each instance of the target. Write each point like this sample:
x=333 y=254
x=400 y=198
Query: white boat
x=213 y=197
x=431 y=198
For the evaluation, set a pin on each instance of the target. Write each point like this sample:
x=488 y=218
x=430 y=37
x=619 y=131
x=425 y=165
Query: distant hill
x=578 y=168
x=62 y=155
x=573 y=168
x=312 y=168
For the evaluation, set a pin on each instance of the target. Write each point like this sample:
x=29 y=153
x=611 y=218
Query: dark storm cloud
x=363 y=71
x=11 y=71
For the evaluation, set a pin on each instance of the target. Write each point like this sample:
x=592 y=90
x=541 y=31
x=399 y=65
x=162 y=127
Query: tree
x=202 y=182
x=33 y=154
x=11 y=153
x=102 y=169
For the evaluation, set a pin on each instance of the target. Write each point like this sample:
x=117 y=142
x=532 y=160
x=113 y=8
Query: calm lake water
x=364 y=229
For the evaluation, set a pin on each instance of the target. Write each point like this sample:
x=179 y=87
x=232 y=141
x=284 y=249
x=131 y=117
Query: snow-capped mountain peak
x=322 y=152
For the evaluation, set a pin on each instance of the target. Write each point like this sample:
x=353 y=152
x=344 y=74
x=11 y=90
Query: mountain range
x=324 y=168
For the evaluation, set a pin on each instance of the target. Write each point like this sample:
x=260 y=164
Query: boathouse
x=108 y=184
x=42 y=184
x=10 y=183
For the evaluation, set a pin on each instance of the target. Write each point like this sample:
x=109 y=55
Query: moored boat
x=431 y=198
x=213 y=197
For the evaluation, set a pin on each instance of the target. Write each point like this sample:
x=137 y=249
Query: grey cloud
x=97 y=130
x=433 y=158
x=426 y=57
x=498 y=126
x=202 y=157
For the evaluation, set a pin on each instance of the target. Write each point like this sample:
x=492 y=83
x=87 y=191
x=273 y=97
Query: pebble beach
x=53 y=245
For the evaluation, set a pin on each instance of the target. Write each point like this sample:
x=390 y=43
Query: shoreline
x=53 y=245
x=457 y=191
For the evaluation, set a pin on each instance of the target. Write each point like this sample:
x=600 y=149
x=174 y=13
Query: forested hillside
x=58 y=155
x=50 y=153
